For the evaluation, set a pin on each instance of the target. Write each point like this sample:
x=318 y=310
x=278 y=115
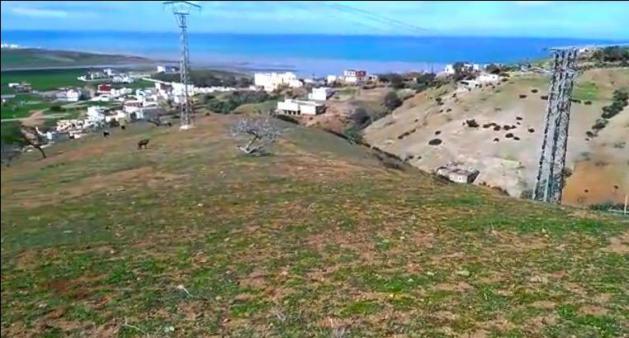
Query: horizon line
x=320 y=34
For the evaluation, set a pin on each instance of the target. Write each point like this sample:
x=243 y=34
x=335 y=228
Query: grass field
x=190 y=238
x=22 y=105
x=585 y=91
x=43 y=79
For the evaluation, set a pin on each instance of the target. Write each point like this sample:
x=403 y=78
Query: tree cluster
x=612 y=54
x=232 y=101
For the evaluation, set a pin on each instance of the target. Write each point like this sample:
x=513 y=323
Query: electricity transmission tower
x=181 y=10
x=550 y=175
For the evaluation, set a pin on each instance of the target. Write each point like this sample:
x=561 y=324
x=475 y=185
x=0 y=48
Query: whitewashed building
x=456 y=174
x=70 y=95
x=300 y=107
x=488 y=78
x=96 y=114
x=320 y=94
x=272 y=81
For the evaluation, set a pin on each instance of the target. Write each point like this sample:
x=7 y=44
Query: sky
x=591 y=20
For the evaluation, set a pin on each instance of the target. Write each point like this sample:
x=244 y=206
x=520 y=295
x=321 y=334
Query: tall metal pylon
x=181 y=10
x=550 y=175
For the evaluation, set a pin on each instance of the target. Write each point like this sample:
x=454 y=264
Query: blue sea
x=305 y=54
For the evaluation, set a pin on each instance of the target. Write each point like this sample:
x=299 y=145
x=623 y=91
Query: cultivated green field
x=44 y=79
x=22 y=105
x=191 y=238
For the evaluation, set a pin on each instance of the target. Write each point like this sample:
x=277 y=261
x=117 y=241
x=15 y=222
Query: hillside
x=599 y=165
x=190 y=238
x=33 y=58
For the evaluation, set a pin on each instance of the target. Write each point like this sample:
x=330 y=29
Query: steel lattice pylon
x=550 y=175
x=181 y=10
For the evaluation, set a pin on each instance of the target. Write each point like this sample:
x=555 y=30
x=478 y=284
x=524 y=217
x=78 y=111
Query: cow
x=143 y=143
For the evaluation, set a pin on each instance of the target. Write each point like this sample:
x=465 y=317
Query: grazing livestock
x=143 y=143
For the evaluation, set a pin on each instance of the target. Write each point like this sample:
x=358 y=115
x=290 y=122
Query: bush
x=600 y=124
x=392 y=101
x=472 y=123
x=353 y=134
x=360 y=118
x=435 y=142
x=56 y=108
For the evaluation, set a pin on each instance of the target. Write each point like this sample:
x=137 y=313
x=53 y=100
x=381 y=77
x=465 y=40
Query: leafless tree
x=262 y=132
x=32 y=137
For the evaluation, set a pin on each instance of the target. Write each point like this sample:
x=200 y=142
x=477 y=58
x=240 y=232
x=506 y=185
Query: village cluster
x=112 y=102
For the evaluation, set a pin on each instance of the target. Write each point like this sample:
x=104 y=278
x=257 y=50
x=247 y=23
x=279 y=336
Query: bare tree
x=8 y=152
x=262 y=132
x=32 y=137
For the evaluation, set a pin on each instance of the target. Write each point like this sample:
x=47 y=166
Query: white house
x=70 y=95
x=117 y=92
x=96 y=114
x=121 y=79
x=456 y=174
x=299 y=107
x=109 y=72
x=320 y=94
x=118 y=115
x=272 y=81
x=131 y=106
x=331 y=79
x=353 y=76
x=488 y=78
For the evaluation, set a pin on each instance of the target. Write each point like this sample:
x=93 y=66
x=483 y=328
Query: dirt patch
x=255 y=280
x=600 y=183
x=537 y=324
x=446 y=316
x=593 y=310
x=543 y=304
x=97 y=183
x=35 y=119
x=619 y=244
x=459 y=287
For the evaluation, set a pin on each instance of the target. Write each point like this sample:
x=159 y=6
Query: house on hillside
x=488 y=78
x=457 y=174
x=96 y=114
x=353 y=76
x=103 y=88
x=272 y=81
x=70 y=95
x=300 y=107
x=320 y=94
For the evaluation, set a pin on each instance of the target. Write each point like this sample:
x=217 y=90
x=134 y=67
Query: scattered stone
x=463 y=273
x=539 y=279
x=435 y=142
x=496 y=139
x=531 y=130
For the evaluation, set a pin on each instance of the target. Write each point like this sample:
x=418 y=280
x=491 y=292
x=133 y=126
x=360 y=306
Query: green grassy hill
x=38 y=58
x=190 y=238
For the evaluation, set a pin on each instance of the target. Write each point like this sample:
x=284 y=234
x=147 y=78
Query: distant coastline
x=303 y=54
